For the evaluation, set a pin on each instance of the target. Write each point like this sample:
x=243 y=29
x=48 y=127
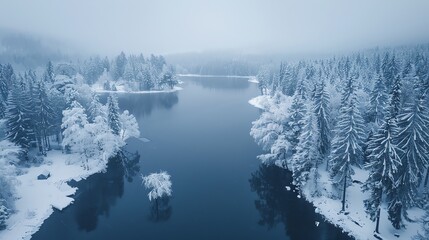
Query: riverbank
x=36 y=199
x=354 y=220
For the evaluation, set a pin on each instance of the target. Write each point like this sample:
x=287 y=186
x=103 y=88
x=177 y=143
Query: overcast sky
x=174 y=26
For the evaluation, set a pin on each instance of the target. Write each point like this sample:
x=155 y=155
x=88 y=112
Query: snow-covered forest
x=54 y=127
x=354 y=131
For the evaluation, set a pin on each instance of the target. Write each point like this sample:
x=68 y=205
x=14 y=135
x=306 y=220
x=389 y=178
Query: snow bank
x=354 y=220
x=253 y=80
x=98 y=88
x=37 y=198
x=261 y=102
x=219 y=76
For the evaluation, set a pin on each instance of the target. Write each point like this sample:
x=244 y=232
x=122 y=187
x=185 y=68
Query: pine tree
x=307 y=153
x=322 y=110
x=295 y=123
x=378 y=101
x=413 y=140
x=18 y=119
x=44 y=112
x=49 y=73
x=384 y=163
x=95 y=108
x=113 y=114
x=348 y=140
x=395 y=98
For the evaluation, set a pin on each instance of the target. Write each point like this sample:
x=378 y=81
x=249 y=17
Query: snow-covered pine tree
x=295 y=123
x=322 y=111
x=413 y=140
x=49 y=73
x=307 y=153
x=383 y=165
x=348 y=140
x=44 y=113
x=18 y=119
x=95 y=109
x=113 y=114
x=378 y=101
x=395 y=98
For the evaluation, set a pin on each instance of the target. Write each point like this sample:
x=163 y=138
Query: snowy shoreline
x=36 y=199
x=354 y=221
x=213 y=76
x=101 y=90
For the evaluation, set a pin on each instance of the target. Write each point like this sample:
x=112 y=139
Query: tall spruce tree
x=307 y=153
x=45 y=114
x=113 y=114
x=295 y=123
x=413 y=140
x=18 y=119
x=378 y=101
x=383 y=165
x=322 y=111
x=348 y=140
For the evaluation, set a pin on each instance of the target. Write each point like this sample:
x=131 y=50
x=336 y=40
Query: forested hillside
x=354 y=130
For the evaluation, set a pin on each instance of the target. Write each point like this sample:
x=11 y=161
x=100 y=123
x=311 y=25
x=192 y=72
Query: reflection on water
x=95 y=196
x=143 y=104
x=276 y=205
x=203 y=141
x=104 y=189
x=220 y=83
x=160 y=209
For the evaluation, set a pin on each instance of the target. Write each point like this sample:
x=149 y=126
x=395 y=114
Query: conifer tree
x=113 y=114
x=348 y=140
x=378 y=100
x=322 y=111
x=413 y=140
x=307 y=153
x=295 y=123
x=18 y=119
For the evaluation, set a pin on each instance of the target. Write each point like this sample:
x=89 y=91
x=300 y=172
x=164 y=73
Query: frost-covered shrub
x=159 y=183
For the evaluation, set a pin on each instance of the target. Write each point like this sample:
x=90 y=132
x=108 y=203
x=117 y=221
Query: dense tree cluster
x=367 y=110
x=54 y=111
x=134 y=72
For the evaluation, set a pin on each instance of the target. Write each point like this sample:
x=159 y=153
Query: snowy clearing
x=37 y=198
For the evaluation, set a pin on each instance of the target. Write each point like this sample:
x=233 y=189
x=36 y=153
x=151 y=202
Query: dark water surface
x=199 y=135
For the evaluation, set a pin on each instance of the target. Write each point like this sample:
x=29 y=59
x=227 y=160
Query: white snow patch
x=288 y=188
x=121 y=89
x=37 y=198
x=219 y=76
x=261 y=102
x=253 y=80
x=357 y=223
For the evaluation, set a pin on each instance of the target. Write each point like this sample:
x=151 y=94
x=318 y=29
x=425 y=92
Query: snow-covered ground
x=253 y=80
x=37 y=198
x=223 y=76
x=354 y=220
x=121 y=89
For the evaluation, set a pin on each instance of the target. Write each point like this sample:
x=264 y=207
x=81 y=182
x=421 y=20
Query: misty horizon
x=248 y=27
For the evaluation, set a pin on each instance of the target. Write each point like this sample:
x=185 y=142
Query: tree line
x=366 y=110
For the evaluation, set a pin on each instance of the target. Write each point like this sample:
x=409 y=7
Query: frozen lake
x=200 y=136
